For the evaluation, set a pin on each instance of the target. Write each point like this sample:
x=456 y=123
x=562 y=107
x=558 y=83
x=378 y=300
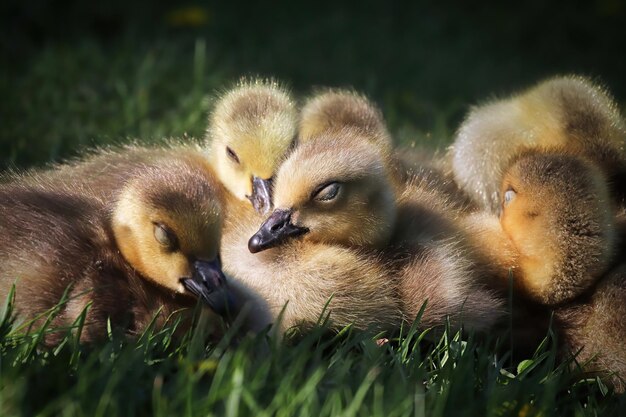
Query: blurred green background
x=77 y=73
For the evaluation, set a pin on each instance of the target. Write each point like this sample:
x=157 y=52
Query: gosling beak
x=274 y=231
x=261 y=197
x=208 y=283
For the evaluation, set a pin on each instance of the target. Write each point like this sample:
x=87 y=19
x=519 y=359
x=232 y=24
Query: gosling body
x=100 y=248
x=352 y=206
x=592 y=329
x=563 y=113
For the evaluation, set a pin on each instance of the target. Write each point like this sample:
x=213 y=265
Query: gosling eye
x=328 y=192
x=232 y=155
x=166 y=237
x=509 y=195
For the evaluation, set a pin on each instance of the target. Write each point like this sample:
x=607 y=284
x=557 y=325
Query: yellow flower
x=191 y=16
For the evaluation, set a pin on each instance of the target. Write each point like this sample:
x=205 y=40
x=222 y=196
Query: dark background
x=75 y=74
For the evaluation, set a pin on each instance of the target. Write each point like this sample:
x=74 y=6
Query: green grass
x=316 y=374
x=72 y=97
x=75 y=75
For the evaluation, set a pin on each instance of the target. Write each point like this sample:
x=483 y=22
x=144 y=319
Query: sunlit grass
x=315 y=374
x=72 y=98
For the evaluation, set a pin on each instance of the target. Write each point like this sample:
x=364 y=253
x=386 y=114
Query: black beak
x=208 y=283
x=261 y=197
x=274 y=231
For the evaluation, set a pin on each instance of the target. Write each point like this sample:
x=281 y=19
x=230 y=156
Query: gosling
x=150 y=251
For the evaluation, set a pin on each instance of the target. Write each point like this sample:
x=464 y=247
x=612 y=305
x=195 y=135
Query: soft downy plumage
x=133 y=242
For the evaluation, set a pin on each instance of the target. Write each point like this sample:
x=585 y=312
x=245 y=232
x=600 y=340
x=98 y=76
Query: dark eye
x=328 y=192
x=165 y=237
x=232 y=155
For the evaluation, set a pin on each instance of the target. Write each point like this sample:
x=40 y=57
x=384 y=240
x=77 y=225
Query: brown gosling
x=148 y=250
x=303 y=278
x=336 y=192
x=592 y=326
x=557 y=212
x=336 y=110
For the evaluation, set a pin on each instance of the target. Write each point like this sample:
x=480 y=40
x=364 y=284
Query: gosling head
x=252 y=128
x=167 y=225
x=333 y=190
x=334 y=110
x=557 y=211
